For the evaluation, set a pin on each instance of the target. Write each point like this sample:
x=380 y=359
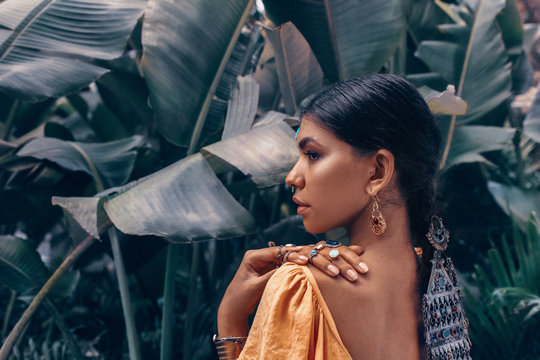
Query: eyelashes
x=312 y=155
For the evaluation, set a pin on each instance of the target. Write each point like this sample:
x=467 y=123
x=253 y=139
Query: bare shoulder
x=380 y=305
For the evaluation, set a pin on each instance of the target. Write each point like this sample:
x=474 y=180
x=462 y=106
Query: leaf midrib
x=333 y=40
x=461 y=83
x=23 y=25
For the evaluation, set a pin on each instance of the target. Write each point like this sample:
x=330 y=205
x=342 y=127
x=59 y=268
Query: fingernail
x=351 y=275
x=363 y=267
x=333 y=270
x=302 y=258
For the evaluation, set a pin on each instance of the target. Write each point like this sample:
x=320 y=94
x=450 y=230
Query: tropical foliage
x=165 y=129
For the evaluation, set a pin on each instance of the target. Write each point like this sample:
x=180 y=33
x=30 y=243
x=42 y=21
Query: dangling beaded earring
x=377 y=222
x=445 y=322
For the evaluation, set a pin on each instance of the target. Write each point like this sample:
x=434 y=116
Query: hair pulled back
x=384 y=111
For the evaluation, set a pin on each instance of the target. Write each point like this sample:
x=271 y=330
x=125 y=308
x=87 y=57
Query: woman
x=368 y=162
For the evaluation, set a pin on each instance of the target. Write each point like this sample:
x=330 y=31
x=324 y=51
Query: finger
x=297 y=258
x=345 y=269
x=357 y=249
x=324 y=265
x=352 y=258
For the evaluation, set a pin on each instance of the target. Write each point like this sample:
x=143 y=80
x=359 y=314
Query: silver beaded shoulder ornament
x=445 y=323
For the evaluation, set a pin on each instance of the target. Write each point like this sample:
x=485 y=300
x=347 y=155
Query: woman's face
x=330 y=180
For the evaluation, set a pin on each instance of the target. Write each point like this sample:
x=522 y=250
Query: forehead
x=311 y=131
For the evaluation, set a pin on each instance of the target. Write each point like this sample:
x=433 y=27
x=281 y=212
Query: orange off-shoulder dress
x=293 y=322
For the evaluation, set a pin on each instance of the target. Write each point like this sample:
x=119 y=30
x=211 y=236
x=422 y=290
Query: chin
x=315 y=228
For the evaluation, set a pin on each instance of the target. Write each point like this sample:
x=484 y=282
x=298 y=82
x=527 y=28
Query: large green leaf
x=242 y=107
x=183 y=202
x=348 y=37
x=113 y=160
x=478 y=64
x=21 y=267
x=299 y=73
x=48 y=47
x=266 y=153
x=470 y=141
x=186 y=47
x=517 y=203
x=85 y=215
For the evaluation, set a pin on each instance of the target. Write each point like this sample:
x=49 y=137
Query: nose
x=294 y=177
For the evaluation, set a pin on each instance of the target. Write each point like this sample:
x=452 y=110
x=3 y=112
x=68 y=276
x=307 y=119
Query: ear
x=382 y=165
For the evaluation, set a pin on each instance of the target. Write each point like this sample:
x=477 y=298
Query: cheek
x=337 y=199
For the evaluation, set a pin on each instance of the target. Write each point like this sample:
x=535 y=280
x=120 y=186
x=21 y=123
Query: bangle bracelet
x=229 y=348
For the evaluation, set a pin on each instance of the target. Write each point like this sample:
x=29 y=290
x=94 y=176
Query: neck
x=396 y=237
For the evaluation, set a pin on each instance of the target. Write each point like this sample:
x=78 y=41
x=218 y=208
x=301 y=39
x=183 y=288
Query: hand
x=348 y=263
x=247 y=286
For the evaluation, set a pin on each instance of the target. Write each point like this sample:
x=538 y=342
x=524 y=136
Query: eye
x=312 y=155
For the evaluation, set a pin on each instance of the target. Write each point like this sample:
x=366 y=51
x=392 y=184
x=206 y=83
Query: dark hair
x=384 y=111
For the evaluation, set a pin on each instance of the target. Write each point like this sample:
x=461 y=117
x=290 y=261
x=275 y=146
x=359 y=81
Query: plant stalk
x=9 y=310
x=41 y=296
x=123 y=285
x=190 y=309
x=167 y=322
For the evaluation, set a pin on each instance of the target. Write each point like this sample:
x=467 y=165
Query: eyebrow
x=302 y=143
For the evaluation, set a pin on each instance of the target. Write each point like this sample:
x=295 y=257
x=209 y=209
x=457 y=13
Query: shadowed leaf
x=113 y=160
x=21 y=267
x=48 y=47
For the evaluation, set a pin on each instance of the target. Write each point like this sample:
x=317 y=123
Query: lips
x=302 y=208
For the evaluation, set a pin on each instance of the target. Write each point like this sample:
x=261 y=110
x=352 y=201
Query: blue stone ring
x=312 y=254
x=332 y=243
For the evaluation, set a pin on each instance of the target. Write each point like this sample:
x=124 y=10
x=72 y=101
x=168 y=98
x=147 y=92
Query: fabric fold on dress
x=293 y=321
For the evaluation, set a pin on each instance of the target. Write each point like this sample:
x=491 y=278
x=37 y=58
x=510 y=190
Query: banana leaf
x=49 y=48
x=299 y=73
x=266 y=153
x=110 y=163
x=242 y=107
x=183 y=202
x=347 y=37
x=21 y=268
x=479 y=65
x=470 y=141
x=517 y=203
x=186 y=47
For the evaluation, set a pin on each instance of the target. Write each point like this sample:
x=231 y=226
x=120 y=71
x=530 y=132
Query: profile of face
x=330 y=178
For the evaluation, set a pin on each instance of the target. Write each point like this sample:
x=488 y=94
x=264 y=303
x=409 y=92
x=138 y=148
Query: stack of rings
x=281 y=256
x=333 y=254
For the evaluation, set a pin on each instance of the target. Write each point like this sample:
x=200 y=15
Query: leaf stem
x=42 y=294
x=9 y=310
x=167 y=322
x=123 y=285
x=190 y=308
